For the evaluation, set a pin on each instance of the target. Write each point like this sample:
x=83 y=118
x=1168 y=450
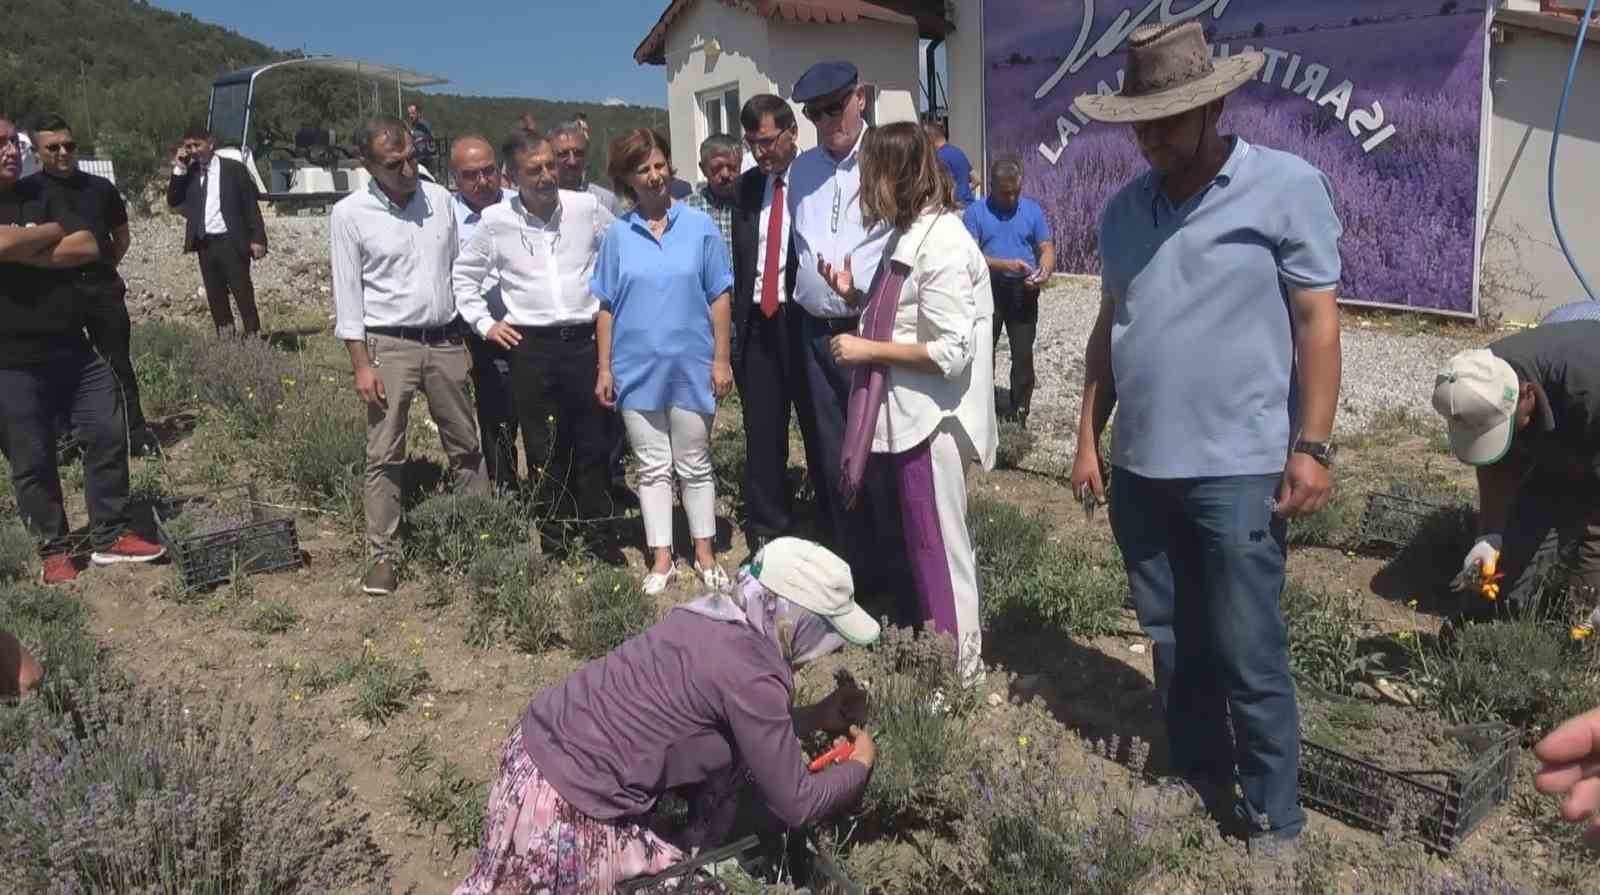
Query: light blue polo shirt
x=659 y=295
x=1202 y=342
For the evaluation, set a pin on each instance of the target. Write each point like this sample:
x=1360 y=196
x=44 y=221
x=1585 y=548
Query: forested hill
x=131 y=76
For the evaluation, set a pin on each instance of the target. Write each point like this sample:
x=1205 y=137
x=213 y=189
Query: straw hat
x=1170 y=72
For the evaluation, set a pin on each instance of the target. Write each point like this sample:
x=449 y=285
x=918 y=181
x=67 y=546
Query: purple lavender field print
x=1383 y=96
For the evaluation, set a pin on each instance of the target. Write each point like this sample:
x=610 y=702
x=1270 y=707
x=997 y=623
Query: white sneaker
x=714 y=578
x=656 y=582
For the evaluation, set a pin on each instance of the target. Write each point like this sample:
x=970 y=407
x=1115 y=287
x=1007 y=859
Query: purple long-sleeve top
x=688 y=701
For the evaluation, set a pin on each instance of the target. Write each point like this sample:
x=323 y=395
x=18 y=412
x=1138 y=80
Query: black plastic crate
x=811 y=871
x=1391 y=522
x=250 y=538
x=1437 y=808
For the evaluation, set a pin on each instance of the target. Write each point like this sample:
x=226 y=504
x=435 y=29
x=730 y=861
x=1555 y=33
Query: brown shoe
x=381 y=579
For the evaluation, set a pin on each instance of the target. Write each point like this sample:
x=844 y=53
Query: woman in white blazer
x=923 y=369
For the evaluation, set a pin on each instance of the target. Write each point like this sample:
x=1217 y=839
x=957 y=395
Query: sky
x=542 y=49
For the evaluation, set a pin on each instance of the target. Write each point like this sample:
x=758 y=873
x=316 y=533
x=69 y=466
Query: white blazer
x=945 y=304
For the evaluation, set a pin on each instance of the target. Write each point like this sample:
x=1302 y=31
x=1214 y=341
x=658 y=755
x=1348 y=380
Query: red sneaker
x=59 y=569
x=128 y=548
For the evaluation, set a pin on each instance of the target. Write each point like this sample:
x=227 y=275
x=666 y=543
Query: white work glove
x=1487 y=548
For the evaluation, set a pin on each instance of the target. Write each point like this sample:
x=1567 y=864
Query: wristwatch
x=1320 y=451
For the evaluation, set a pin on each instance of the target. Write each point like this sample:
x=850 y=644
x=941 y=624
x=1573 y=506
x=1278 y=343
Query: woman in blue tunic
x=664 y=280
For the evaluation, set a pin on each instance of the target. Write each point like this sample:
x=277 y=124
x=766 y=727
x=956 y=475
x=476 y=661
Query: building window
x=719 y=111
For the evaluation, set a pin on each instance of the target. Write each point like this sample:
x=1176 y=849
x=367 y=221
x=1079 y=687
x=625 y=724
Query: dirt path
x=1099 y=689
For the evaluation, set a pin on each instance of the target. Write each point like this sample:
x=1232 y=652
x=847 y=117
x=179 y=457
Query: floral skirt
x=535 y=842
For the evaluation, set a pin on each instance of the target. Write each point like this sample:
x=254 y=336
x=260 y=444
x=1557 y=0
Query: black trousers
x=497 y=417
x=868 y=535
x=225 y=271
x=31 y=401
x=1016 y=308
x=564 y=428
x=771 y=376
x=111 y=331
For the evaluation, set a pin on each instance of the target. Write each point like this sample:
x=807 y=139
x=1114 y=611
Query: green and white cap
x=812 y=577
x=1476 y=392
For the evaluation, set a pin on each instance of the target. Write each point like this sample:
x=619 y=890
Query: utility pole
x=83 y=80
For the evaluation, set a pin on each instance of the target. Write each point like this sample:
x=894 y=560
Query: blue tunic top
x=659 y=294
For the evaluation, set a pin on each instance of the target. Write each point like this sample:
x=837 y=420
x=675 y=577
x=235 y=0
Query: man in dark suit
x=224 y=228
x=767 y=363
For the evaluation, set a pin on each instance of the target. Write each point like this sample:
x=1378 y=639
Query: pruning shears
x=1086 y=495
x=1486 y=580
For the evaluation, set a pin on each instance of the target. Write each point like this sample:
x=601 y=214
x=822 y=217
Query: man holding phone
x=223 y=226
x=1016 y=241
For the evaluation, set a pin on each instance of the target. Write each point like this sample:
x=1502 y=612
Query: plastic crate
x=1437 y=808
x=268 y=542
x=1391 y=522
x=809 y=870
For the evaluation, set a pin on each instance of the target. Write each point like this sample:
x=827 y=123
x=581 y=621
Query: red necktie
x=769 y=269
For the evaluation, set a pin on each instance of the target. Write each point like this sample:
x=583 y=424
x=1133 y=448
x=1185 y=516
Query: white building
x=719 y=53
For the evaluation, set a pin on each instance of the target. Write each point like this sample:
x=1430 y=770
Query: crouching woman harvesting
x=922 y=392
x=698 y=703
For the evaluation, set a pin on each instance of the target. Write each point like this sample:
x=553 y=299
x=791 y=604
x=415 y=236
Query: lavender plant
x=513 y=601
x=605 y=606
x=147 y=794
x=449 y=531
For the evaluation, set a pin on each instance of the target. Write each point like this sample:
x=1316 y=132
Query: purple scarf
x=867 y=381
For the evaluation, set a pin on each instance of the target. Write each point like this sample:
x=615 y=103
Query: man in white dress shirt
x=392 y=247
x=825 y=207
x=479 y=187
x=542 y=244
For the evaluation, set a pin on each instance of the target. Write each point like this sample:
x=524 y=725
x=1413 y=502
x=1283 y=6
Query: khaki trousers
x=440 y=371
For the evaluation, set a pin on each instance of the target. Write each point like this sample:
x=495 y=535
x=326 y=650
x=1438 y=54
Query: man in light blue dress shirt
x=478 y=186
x=825 y=207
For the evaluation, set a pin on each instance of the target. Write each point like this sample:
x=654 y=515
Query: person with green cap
x=1525 y=412
x=698 y=704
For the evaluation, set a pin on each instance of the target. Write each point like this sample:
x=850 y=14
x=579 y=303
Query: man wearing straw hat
x=1218 y=335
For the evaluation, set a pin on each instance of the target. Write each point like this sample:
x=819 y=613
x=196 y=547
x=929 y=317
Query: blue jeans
x=1205 y=561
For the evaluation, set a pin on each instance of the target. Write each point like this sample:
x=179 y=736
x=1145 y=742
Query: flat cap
x=822 y=79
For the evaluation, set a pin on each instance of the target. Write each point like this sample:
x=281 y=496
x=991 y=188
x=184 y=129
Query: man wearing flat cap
x=1525 y=412
x=1218 y=340
x=825 y=207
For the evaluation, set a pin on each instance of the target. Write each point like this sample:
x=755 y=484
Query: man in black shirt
x=1525 y=411
x=99 y=206
x=45 y=364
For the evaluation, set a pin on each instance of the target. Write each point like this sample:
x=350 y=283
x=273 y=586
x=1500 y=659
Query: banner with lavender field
x=1384 y=96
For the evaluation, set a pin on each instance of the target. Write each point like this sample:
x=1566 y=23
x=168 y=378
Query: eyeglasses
x=764 y=144
x=476 y=174
x=572 y=153
x=68 y=146
x=831 y=110
x=12 y=142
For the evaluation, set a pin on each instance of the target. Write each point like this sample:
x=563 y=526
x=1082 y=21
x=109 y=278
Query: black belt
x=838 y=326
x=427 y=335
x=571 y=332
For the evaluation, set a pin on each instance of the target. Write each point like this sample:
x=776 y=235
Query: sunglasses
x=831 y=110
x=68 y=146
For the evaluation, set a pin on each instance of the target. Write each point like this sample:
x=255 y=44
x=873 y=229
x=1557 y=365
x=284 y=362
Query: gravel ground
x=1384 y=368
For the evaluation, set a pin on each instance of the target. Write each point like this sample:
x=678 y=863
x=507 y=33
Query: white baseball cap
x=813 y=577
x=1476 y=392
